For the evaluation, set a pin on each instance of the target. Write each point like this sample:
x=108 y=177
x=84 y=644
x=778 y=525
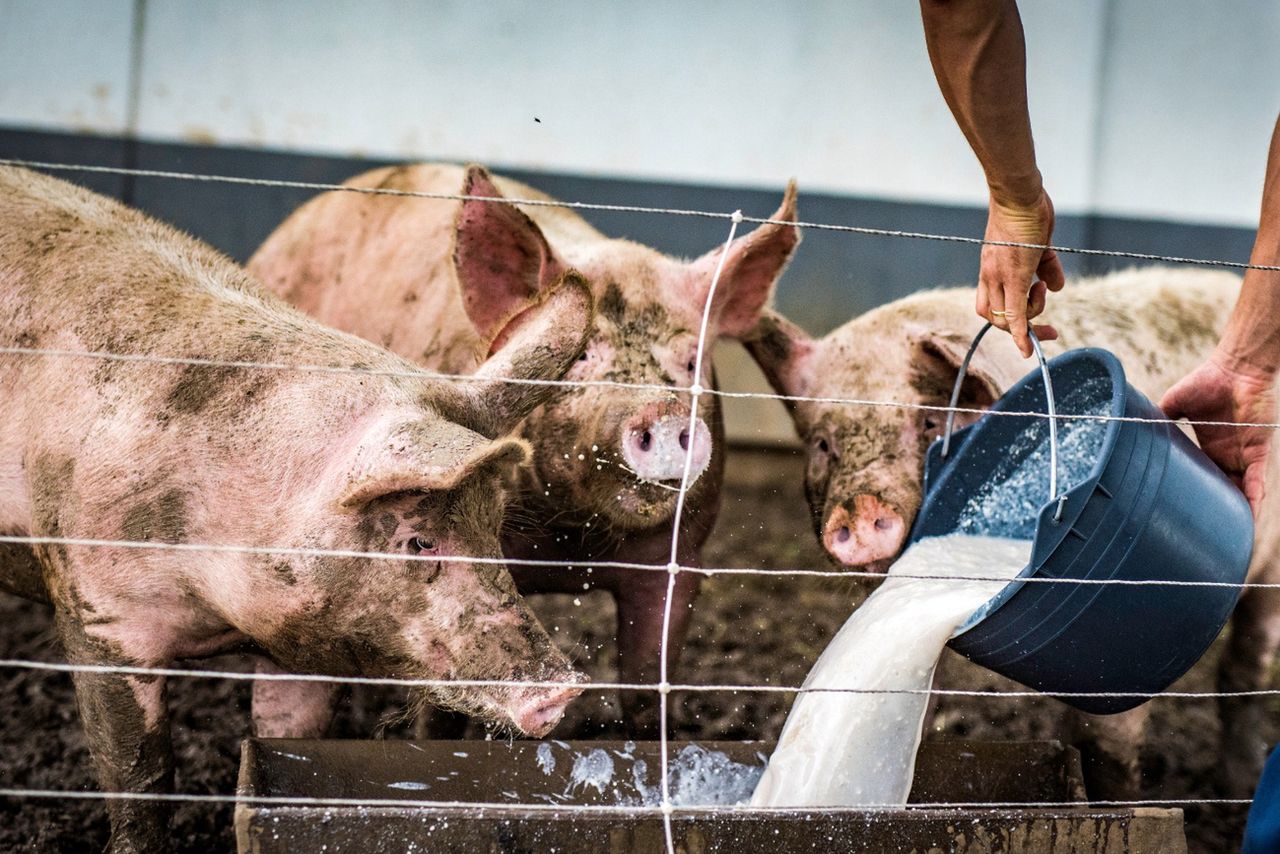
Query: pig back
x=82 y=273
x=378 y=266
x=1161 y=322
x=381 y=265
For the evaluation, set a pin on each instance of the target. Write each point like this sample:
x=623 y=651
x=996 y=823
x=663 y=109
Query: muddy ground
x=746 y=630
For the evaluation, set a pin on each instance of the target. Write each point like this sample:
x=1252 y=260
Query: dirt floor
x=746 y=630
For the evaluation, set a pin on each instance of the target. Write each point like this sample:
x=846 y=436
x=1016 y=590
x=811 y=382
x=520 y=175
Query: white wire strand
x=346 y=188
x=599 y=809
x=755 y=395
x=673 y=566
x=833 y=574
x=709 y=688
x=818 y=226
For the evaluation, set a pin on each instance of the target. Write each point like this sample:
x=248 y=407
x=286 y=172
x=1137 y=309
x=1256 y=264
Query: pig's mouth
x=529 y=711
x=643 y=501
x=540 y=712
x=879 y=567
x=637 y=480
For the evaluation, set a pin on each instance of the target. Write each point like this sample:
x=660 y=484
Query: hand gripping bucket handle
x=1048 y=396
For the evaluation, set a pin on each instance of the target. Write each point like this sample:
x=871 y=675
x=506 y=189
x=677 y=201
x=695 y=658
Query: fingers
x=1015 y=301
x=1171 y=404
x=991 y=305
x=1036 y=300
x=1254 y=486
x=1015 y=279
x=983 y=303
x=1045 y=332
x=1050 y=271
x=1173 y=401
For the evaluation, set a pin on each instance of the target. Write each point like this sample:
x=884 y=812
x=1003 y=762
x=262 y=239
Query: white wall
x=64 y=64
x=1153 y=109
x=1190 y=98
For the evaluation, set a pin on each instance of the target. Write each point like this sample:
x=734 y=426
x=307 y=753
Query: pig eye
x=689 y=367
x=930 y=424
x=824 y=446
x=418 y=545
x=583 y=357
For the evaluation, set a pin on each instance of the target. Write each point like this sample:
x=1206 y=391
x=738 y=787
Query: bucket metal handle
x=1048 y=395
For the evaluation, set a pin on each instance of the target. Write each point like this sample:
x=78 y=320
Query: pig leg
x=126 y=723
x=1109 y=746
x=640 y=599
x=291 y=709
x=1246 y=666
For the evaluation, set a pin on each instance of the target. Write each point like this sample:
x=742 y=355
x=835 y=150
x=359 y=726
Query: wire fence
x=666 y=808
x=693 y=687
x=639 y=209
x=500 y=807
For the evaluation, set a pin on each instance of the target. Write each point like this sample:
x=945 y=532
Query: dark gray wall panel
x=835 y=275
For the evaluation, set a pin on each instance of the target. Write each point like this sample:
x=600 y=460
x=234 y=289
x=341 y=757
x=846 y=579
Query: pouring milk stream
x=859 y=749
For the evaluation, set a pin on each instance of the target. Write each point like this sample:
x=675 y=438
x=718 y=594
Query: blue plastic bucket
x=1134 y=501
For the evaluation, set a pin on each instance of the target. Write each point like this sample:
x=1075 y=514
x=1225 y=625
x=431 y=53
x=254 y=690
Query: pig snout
x=654 y=446
x=539 y=713
x=874 y=531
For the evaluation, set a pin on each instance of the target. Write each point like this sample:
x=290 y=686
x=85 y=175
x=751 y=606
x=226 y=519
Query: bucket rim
x=1046 y=521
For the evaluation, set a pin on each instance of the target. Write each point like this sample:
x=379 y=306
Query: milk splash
x=852 y=749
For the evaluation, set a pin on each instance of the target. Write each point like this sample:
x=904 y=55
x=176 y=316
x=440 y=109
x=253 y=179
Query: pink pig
x=180 y=453
x=436 y=280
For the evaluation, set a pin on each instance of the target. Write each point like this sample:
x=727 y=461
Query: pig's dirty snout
x=655 y=448
x=874 y=531
x=539 y=714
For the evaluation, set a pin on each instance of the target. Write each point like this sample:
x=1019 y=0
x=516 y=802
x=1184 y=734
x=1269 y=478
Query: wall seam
x=1091 y=225
x=133 y=104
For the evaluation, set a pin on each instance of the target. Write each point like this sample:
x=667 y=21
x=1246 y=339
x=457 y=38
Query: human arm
x=1237 y=383
x=979 y=57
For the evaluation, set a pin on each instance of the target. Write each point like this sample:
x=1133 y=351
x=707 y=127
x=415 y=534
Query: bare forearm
x=979 y=58
x=1251 y=341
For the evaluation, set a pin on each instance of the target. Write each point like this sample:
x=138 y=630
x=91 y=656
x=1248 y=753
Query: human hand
x=1217 y=391
x=1013 y=281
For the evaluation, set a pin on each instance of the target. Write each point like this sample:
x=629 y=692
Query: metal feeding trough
x=410 y=780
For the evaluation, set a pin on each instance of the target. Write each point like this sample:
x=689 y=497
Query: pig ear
x=785 y=353
x=935 y=360
x=422 y=456
x=540 y=343
x=501 y=257
x=752 y=267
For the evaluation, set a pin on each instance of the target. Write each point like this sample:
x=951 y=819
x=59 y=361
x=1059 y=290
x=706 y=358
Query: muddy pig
x=435 y=280
x=865 y=463
x=174 y=453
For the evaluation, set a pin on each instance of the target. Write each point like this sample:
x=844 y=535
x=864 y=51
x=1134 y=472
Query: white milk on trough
x=859 y=749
